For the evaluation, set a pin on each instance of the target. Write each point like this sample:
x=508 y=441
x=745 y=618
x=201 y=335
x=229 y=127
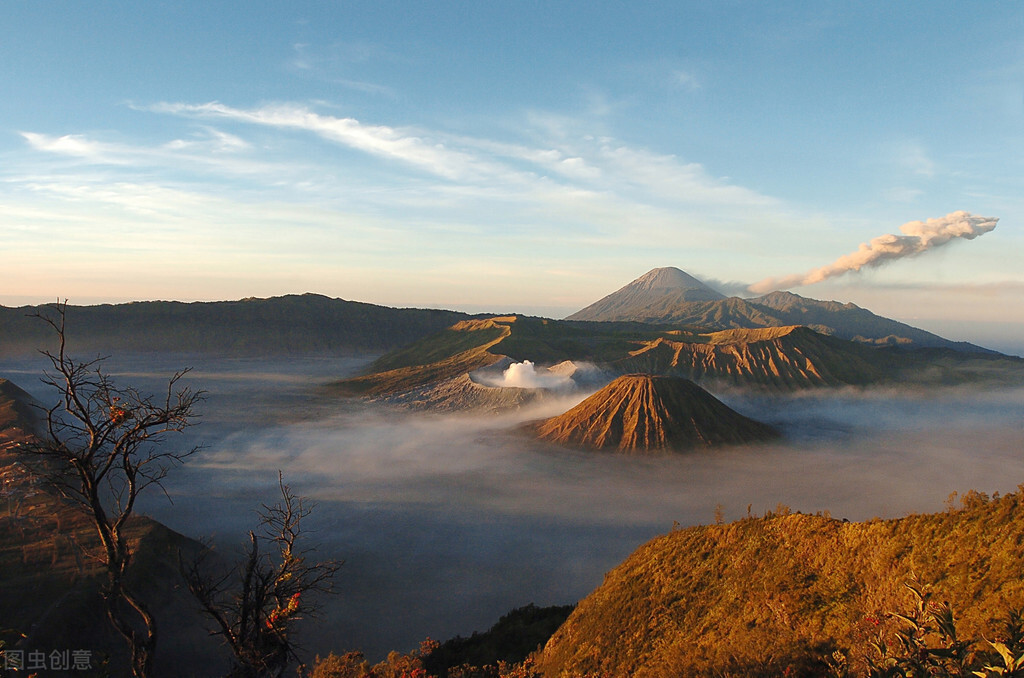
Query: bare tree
x=103 y=446
x=254 y=604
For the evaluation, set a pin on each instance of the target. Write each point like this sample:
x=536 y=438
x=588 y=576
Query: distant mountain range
x=669 y=296
x=312 y=323
x=439 y=369
x=293 y=324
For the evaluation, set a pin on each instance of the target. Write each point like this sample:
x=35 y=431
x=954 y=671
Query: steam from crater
x=525 y=375
x=918 y=237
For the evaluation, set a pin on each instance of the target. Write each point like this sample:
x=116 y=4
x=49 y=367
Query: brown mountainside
x=680 y=299
x=778 y=357
x=638 y=413
x=658 y=292
x=778 y=595
x=50 y=582
x=17 y=408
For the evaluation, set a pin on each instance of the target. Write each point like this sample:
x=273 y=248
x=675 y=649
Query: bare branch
x=102 y=447
x=274 y=588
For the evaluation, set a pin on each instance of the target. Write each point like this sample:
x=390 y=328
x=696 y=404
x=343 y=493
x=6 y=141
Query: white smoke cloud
x=918 y=237
x=525 y=375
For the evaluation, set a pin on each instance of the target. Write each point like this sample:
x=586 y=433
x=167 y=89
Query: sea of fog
x=447 y=522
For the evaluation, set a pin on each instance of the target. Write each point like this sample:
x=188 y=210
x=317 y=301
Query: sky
x=511 y=156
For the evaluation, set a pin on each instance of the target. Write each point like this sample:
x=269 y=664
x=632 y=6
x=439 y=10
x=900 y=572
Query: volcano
x=640 y=413
x=669 y=296
x=652 y=295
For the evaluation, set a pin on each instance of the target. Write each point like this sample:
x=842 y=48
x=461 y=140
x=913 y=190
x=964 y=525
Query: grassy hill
x=780 y=594
x=293 y=324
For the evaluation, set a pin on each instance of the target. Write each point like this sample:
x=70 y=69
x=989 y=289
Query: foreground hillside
x=50 y=578
x=780 y=594
x=293 y=324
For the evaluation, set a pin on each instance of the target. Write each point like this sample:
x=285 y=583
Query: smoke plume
x=918 y=237
x=526 y=375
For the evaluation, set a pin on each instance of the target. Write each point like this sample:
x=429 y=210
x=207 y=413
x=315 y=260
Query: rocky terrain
x=640 y=414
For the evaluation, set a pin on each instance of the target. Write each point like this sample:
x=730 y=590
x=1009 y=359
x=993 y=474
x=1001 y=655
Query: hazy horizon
x=1005 y=336
x=515 y=158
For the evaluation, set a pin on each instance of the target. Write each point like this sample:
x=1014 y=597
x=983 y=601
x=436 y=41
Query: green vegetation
x=514 y=636
x=762 y=596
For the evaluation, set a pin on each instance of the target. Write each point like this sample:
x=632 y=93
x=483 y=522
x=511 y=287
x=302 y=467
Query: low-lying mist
x=447 y=522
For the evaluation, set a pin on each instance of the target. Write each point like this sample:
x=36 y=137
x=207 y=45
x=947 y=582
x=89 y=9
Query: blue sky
x=520 y=156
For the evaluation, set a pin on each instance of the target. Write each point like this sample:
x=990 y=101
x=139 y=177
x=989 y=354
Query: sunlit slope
x=783 y=357
x=471 y=344
x=640 y=413
x=671 y=296
x=292 y=324
x=775 y=358
x=755 y=596
x=463 y=347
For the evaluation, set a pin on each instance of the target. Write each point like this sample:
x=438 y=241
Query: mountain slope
x=780 y=358
x=774 y=358
x=850 y=321
x=18 y=409
x=472 y=344
x=657 y=292
x=756 y=596
x=637 y=413
x=49 y=582
x=307 y=323
x=637 y=302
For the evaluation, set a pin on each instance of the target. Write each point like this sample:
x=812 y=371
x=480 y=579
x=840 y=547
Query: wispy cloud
x=685 y=79
x=239 y=179
x=337 y=63
x=379 y=140
x=578 y=162
x=75 y=145
x=914 y=157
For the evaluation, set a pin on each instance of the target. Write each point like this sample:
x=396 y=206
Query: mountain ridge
x=290 y=324
x=636 y=303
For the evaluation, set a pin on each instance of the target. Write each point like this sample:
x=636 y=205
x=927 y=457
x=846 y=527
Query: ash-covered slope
x=779 y=358
x=675 y=299
x=654 y=294
x=638 y=413
x=461 y=394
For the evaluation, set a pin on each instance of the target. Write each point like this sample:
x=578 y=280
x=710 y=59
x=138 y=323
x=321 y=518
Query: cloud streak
x=918 y=237
x=380 y=140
